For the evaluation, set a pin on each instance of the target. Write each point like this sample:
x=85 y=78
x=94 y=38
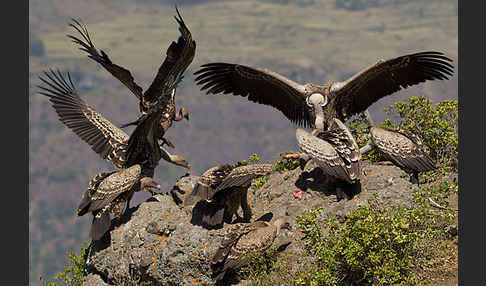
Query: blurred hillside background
x=306 y=40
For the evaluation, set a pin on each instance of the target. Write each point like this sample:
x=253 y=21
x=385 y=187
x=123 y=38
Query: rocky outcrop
x=159 y=242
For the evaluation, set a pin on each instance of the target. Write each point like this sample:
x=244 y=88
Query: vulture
x=107 y=140
x=245 y=238
x=179 y=56
x=334 y=150
x=303 y=104
x=403 y=148
x=226 y=186
x=109 y=193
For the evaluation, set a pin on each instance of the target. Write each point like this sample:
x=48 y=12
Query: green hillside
x=306 y=40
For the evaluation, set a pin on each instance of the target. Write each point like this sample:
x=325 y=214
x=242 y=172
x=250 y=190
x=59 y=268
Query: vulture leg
x=414 y=178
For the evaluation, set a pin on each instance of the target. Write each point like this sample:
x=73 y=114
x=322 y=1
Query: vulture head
x=183 y=113
x=147 y=183
x=180 y=161
x=282 y=223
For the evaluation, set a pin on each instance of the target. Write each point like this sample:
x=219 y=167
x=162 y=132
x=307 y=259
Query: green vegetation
x=73 y=274
x=375 y=245
x=285 y=165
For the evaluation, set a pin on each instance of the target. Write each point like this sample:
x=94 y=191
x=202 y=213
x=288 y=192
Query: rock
x=155 y=242
x=93 y=280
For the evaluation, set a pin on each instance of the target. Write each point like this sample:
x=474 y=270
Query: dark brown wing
x=179 y=56
x=105 y=139
x=143 y=143
x=357 y=93
x=243 y=175
x=402 y=149
x=208 y=182
x=261 y=86
x=119 y=72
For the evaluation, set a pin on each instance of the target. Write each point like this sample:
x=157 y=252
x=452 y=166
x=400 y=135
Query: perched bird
x=303 y=104
x=107 y=140
x=110 y=193
x=335 y=151
x=179 y=56
x=403 y=148
x=226 y=187
x=245 y=238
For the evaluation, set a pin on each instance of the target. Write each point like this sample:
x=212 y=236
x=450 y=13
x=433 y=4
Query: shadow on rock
x=318 y=181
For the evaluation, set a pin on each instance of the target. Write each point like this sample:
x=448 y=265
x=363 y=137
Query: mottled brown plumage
x=107 y=140
x=242 y=239
x=339 y=99
x=110 y=193
x=227 y=188
x=334 y=150
x=402 y=148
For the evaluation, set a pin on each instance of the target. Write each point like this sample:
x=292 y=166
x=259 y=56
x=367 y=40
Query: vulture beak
x=183 y=113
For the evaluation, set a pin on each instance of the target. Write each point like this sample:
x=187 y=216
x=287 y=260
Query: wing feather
x=260 y=86
x=117 y=71
x=403 y=148
x=103 y=137
x=179 y=56
x=357 y=93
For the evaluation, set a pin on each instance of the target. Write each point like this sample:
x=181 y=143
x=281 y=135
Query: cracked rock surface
x=156 y=244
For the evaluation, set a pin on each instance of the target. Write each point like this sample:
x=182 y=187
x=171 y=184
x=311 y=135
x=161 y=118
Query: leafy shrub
x=285 y=165
x=73 y=274
x=436 y=125
x=375 y=245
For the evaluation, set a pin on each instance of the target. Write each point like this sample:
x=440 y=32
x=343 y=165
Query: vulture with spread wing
x=311 y=103
x=226 y=186
x=242 y=239
x=179 y=56
x=403 y=148
x=109 y=193
x=107 y=140
x=334 y=150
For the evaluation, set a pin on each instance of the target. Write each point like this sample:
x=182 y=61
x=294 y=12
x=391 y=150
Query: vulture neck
x=319 y=123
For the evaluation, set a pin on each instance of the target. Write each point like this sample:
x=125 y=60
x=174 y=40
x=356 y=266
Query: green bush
x=435 y=124
x=73 y=274
x=375 y=245
x=285 y=165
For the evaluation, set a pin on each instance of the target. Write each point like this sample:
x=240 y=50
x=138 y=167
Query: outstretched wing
x=357 y=93
x=105 y=139
x=261 y=86
x=242 y=176
x=117 y=71
x=402 y=148
x=179 y=56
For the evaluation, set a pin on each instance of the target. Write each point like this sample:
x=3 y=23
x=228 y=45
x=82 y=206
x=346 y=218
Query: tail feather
x=100 y=226
x=213 y=216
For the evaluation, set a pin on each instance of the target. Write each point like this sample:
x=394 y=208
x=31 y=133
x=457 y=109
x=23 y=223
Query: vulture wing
x=119 y=72
x=357 y=93
x=402 y=148
x=179 y=56
x=261 y=86
x=105 y=139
